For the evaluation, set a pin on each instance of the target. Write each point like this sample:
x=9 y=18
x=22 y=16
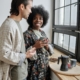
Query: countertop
x=62 y=76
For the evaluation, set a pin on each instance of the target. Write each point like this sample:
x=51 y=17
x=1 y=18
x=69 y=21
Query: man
x=13 y=57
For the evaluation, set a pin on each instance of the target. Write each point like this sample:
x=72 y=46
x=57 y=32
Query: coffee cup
x=43 y=39
x=73 y=62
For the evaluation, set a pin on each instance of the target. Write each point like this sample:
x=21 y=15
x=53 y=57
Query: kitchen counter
x=58 y=75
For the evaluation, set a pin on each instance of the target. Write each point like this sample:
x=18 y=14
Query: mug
x=42 y=39
x=73 y=62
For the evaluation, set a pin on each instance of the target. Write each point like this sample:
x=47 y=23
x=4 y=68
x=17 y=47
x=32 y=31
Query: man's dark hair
x=38 y=10
x=15 y=6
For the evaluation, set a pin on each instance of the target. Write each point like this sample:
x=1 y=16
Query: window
x=72 y=44
x=65 y=40
x=66 y=24
x=74 y=15
x=66 y=14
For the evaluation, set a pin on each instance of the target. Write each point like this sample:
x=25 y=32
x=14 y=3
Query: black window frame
x=66 y=26
x=71 y=30
x=61 y=48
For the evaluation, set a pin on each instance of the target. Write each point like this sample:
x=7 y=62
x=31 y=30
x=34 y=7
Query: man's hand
x=30 y=53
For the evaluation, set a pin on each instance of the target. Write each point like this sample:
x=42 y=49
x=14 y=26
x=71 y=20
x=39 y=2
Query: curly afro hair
x=38 y=10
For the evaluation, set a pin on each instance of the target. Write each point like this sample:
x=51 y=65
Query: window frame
x=68 y=29
x=67 y=52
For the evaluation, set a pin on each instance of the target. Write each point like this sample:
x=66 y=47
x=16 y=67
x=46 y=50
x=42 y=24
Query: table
x=61 y=76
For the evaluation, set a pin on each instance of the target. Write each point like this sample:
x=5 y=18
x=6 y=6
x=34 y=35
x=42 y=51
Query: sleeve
x=51 y=50
x=28 y=44
x=7 y=54
x=27 y=40
x=22 y=59
x=50 y=46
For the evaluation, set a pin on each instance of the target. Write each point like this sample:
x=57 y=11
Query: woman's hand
x=46 y=41
x=46 y=47
x=39 y=44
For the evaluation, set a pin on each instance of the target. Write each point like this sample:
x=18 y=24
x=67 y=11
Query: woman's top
x=37 y=69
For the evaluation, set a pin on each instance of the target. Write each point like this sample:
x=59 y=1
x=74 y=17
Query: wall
x=5 y=8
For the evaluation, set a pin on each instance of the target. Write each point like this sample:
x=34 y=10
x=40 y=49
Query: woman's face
x=37 y=21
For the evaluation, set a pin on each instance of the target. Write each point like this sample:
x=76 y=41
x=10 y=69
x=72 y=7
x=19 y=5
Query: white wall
x=5 y=8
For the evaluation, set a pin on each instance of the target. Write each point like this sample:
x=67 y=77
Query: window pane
x=56 y=4
x=56 y=17
x=55 y=37
x=67 y=2
x=67 y=16
x=72 y=45
x=66 y=41
x=74 y=15
x=61 y=16
x=73 y=1
x=60 y=40
x=61 y=3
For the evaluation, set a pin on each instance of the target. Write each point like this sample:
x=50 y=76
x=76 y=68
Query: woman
x=37 y=68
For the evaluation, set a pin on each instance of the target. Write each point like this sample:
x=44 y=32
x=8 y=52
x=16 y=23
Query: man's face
x=26 y=11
